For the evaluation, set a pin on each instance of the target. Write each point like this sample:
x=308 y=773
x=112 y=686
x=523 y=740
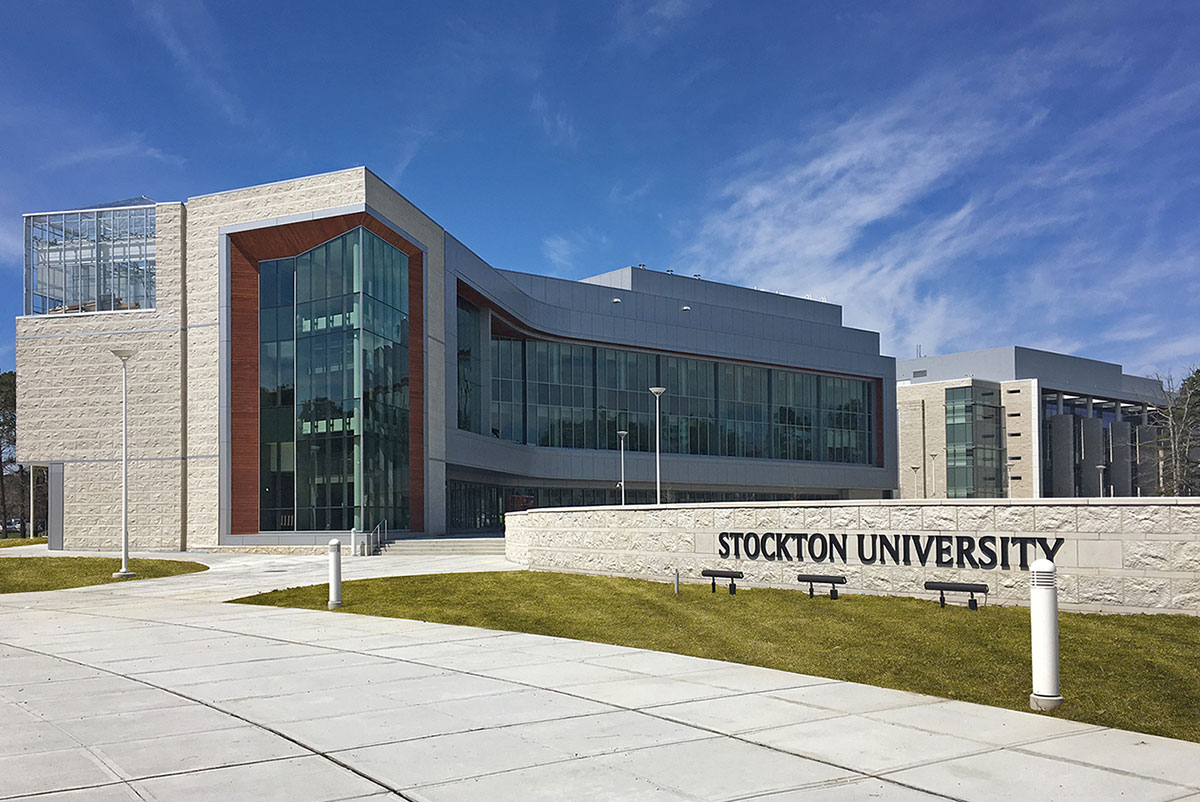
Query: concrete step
x=445 y=546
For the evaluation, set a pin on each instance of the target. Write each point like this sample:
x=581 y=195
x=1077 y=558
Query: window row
x=576 y=396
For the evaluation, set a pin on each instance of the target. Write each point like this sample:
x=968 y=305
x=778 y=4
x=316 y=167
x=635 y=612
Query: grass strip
x=1134 y=672
x=9 y=542
x=26 y=574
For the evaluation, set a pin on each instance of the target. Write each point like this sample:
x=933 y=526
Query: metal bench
x=715 y=575
x=833 y=580
x=958 y=587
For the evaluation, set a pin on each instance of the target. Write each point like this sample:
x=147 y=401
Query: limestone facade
x=1122 y=555
x=921 y=424
x=69 y=408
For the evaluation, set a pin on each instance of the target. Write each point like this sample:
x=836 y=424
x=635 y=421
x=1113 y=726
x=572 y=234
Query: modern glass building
x=1022 y=423
x=318 y=355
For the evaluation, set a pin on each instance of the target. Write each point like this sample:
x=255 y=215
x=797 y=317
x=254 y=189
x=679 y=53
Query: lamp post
x=915 y=468
x=124 y=354
x=658 y=391
x=1100 y=469
x=933 y=455
x=312 y=485
x=621 y=434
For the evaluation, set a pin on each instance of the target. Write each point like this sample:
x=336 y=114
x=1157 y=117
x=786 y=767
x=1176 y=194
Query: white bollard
x=353 y=543
x=335 y=574
x=676 y=581
x=1043 y=632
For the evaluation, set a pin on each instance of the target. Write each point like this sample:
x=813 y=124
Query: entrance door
x=54 y=506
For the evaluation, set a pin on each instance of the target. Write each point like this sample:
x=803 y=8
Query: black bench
x=823 y=579
x=958 y=587
x=715 y=575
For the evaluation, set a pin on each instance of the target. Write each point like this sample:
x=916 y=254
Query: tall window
x=623 y=400
x=689 y=410
x=796 y=415
x=333 y=330
x=974 y=443
x=561 y=387
x=848 y=406
x=742 y=399
x=508 y=389
x=470 y=388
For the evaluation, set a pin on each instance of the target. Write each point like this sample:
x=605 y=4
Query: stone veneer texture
x=1117 y=556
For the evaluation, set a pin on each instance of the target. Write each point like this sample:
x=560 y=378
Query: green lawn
x=25 y=574
x=1135 y=672
x=7 y=542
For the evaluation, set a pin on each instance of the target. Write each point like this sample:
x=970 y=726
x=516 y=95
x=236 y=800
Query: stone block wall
x=69 y=408
x=1121 y=555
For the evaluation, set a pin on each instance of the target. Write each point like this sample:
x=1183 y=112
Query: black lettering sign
x=945 y=551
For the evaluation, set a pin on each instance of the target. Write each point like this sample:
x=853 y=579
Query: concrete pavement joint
x=231 y=714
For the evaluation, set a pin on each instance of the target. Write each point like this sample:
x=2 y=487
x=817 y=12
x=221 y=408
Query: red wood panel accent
x=243 y=375
x=247 y=249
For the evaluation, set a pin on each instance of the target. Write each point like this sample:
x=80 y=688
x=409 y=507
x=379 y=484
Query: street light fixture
x=658 y=391
x=915 y=468
x=933 y=455
x=124 y=354
x=621 y=434
x=1100 y=469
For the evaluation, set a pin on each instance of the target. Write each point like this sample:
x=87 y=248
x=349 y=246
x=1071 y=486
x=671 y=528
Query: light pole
x=658 y=391
x=124 y=355
x=621 y=434
x=312 y=485
x=1100 y=469
x=933 y=455
x=915 y=468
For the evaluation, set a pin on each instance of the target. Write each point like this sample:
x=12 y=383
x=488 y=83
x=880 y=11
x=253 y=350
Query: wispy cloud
x=575 y=253
x=962 y=213
x=621 y=195
x=558 y=125
x=134 y=146
x=643 y=23
x=193 y=40
x=560 y=252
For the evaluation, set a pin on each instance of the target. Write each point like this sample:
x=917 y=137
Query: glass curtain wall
x=974 y=443
x=544 y=393
x=101 y=260
x=333 y=363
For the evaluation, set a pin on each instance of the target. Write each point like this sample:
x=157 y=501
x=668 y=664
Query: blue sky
x=955 y=175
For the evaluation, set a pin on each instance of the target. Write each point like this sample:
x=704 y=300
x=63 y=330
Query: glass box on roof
x=90 y=260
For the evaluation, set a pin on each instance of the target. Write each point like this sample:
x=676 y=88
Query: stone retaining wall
x=1115 y=555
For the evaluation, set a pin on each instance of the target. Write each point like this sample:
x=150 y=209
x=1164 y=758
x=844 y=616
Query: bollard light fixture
x=1043 y=635
x=335 y=574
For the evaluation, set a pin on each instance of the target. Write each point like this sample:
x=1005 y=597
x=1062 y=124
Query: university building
x=318 y=354
x=1022 y=423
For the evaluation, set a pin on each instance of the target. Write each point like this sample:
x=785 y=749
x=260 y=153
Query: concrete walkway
x=157 y=690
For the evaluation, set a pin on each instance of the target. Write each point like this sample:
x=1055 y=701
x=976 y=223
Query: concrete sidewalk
x=158 y=690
